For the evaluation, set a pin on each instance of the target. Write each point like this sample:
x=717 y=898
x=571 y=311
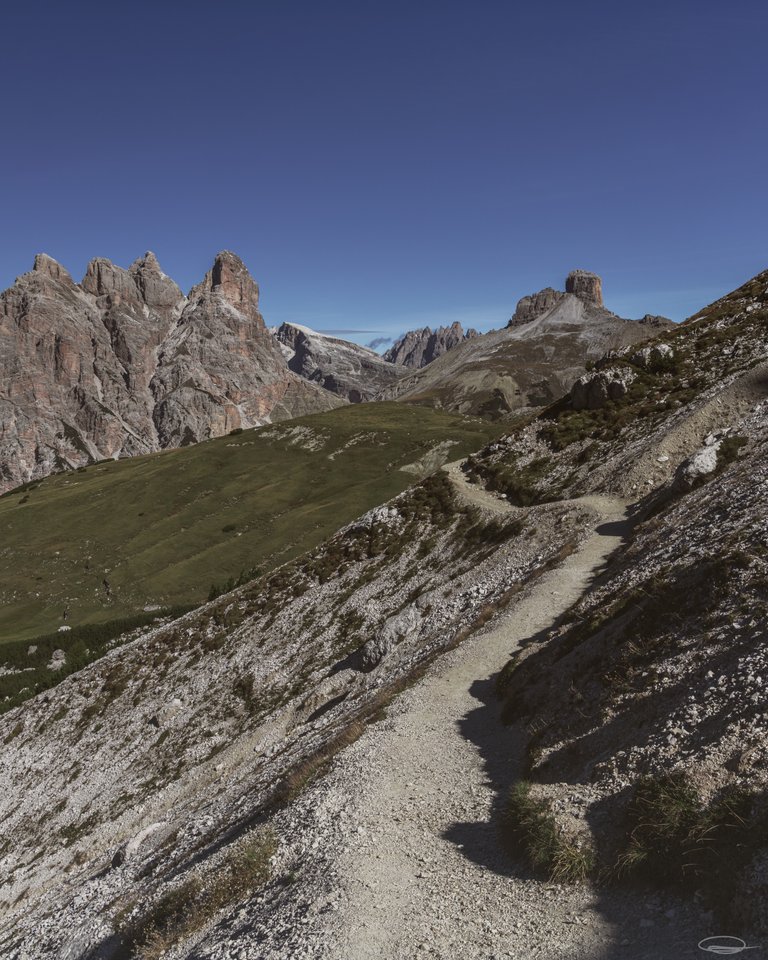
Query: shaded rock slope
x=346 y=369
x=652 y=763
x=124 y=364
x=546 y=346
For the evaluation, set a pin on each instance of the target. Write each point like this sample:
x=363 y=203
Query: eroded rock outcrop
x=594 y=390
x=654 y=356
x=532 y=306
x=588 y=287
x=220 y=369
x=585 y=285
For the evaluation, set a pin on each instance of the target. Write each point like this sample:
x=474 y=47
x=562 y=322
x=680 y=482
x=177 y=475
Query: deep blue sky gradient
x=382 y=165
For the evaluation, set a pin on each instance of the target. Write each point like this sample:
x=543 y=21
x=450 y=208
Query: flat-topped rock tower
x=585 y=285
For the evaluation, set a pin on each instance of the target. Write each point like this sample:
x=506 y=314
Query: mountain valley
x=472 y=667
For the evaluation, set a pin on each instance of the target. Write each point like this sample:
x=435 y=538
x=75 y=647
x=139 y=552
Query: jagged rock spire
x=50 y=267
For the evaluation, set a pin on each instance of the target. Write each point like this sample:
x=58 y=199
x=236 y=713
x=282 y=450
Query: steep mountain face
x=581 y=283
x=346 y=369
x=417 y=348
x=124 y=364
x=533 y=305
x=64 y=392
x=534 y=360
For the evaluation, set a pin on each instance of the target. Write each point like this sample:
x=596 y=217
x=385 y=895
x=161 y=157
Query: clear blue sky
x=380 y=165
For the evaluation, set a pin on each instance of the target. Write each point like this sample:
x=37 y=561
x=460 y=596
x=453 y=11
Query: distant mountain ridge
x=124 y=364
x=536 y=358
x=417 y=348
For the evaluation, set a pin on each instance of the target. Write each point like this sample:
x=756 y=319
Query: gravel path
x=472 y=493
x=395 y=853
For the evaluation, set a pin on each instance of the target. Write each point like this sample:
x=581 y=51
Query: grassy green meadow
x=106 y=541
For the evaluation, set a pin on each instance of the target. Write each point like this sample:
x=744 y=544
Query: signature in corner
x=724 y=946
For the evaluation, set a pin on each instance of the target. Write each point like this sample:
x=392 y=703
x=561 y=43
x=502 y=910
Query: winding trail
x=444 y=884
x=473 y=494
x=397 y=850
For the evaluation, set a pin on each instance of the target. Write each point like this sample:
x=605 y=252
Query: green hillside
x=109 y=540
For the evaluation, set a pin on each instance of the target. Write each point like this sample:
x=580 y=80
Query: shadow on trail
x=615 y=528
x=639 y=928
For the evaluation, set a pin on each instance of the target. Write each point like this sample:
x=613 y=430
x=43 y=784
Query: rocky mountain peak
x=230 y=278
x=585 y=285
x=143 y=282
x=533 y=305
x=148 y=262
x=124 y=364
x=50 y=268
x=104 y=279
x=353 y=372
x=156 y=289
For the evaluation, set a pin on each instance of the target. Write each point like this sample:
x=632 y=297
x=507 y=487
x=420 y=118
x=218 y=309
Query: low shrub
x=672 y=837
x=82 y=645
x=190 y=906
x=533 y=832
x=729 y=451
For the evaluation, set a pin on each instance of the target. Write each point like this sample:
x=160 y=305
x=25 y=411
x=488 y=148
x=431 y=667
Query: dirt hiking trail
x=396 y=854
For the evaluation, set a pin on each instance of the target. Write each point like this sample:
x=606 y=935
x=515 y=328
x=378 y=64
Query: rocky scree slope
x=417 y=348
x=396 y=850
x=124 y=364
x=534 y=360
x=347 y=369
x=177 y=742
x=652 y=767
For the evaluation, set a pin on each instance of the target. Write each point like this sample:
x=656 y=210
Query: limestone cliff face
x=417 y=348
x=532 y=306
x=139 y=308
x=585 y=285
x=219 y=368
x=124 y=363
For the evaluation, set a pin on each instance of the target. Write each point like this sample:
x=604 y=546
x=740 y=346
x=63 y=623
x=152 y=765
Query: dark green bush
x=82 y=645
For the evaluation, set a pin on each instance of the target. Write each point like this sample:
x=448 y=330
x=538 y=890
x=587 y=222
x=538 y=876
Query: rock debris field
x=397 y=853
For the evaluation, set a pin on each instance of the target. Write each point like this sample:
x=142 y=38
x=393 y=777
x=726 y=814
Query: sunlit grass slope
x=114 y=538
